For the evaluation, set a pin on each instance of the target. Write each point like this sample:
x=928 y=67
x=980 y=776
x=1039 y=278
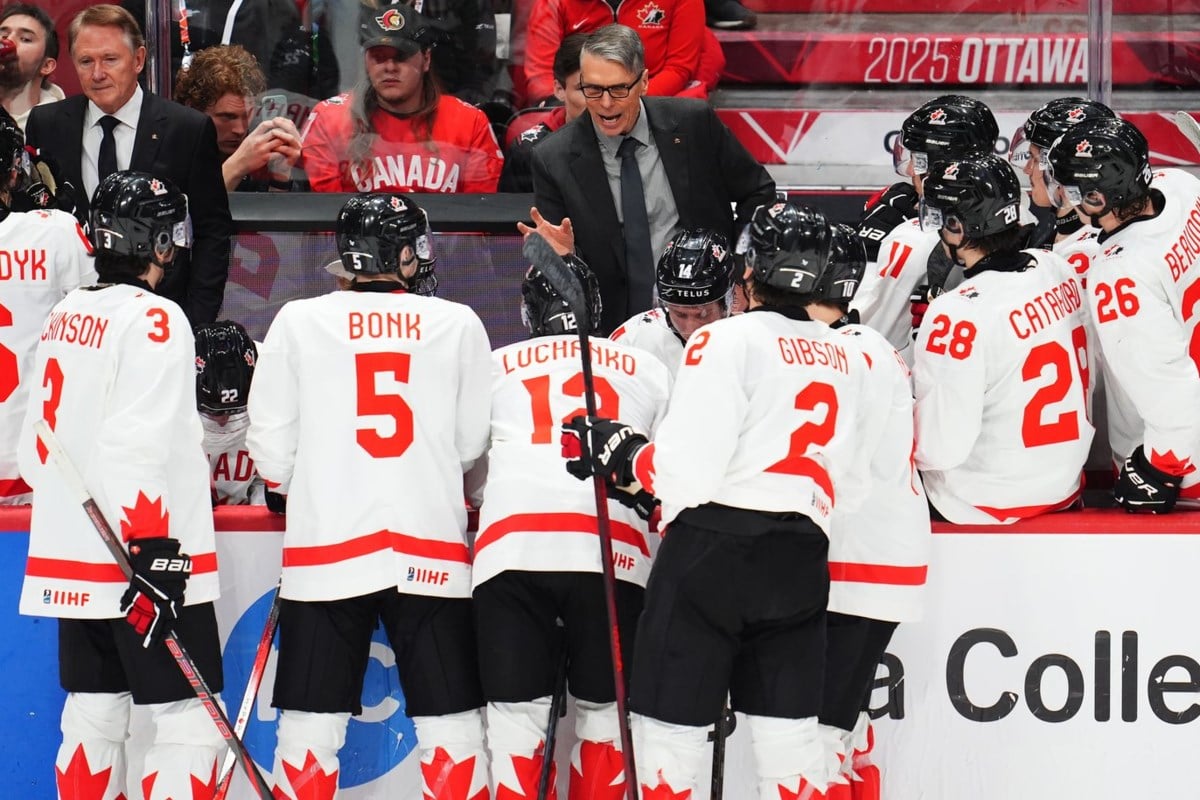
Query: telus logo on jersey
x=376 y=740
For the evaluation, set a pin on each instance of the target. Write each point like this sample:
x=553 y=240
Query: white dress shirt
x=123 y=135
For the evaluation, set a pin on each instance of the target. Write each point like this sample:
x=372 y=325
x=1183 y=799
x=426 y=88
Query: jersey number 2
x=797 y=462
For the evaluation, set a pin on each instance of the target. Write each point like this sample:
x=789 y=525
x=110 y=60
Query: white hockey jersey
x=1144 y=294
x=115 y=377
x=43 y=255
x=999 y=375
x=535 y=516
x=762 y=417
x=649 y=331
x=883 y=297
x=879 y=552
x=365 y=410
x=235 y=481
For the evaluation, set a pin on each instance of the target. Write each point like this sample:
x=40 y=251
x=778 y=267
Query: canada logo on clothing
x=718 y=252
x=652 y=15
x=937 y=117
x=157 y=186
x=951 y=172
x=1084 y=149
x=1075 y=115
x=390 y=20
x=397 y=204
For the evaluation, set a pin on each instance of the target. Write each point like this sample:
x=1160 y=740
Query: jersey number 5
x=371 y=403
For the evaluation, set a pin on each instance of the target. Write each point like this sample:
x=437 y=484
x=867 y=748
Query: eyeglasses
x=618 y=92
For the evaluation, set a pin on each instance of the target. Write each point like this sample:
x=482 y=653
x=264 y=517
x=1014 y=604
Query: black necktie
x=639 y=256
x=106 y=164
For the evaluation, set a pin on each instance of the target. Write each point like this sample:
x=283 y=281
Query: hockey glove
x=604 y=447
x=892 y=207
x=919 y=302
x=160 y=572
x=645 y=504
x=276 y=502
x=1143 y=487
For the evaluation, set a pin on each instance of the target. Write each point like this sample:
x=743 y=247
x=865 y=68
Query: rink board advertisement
x=1049 y=665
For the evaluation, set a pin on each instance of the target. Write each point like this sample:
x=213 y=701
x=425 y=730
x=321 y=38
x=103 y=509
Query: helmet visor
x=908 y=163
x=936 y=219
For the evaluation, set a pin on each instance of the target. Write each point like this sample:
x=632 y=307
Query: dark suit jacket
x=708 y=168
x=172 y=142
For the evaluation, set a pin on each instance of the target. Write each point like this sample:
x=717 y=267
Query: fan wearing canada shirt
x=694 y=282
x=367 y=407
x=537 y=557
x=906 y=265
x=114 y=377
x=1000 y=369
x=1142 y=291
x=225 y=358
x=43 y=256
x=396 y=131
x=878 y=552
x=747 y=507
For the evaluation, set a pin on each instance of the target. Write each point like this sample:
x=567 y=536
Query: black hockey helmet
x=225 y=359
x=1051 y=121
x=13 y=157
x=543 y=309
x=1105 y=161
x=374 y=229
x=789 y=246
x=847 y=263
x=949 y=127
x=695 y=269
x=976 y=197
x=137 y=214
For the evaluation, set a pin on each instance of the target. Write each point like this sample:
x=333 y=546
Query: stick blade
x=554 y=269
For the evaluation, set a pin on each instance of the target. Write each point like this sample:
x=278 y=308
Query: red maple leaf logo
x=145 y=520
x=202 y=790
x=529 y=771
x=1171 y=464
x=148 y=784
x=78 y=782
x=805 y=791
x=448 y=779
x=601 y=773
x=310 y=782
x=663 y=791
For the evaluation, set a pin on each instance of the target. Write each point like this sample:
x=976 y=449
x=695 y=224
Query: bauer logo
x=376 y=741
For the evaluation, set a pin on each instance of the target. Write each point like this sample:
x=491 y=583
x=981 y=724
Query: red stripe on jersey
x=877 y=573
x=560 y=523
x=14 y=486
x=373 y=543
x=83 y=237
x=808 y=468
x=99 y=573
x=1021 y=512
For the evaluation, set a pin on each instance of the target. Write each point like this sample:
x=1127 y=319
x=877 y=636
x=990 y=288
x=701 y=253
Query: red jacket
x=672 y=32
x=462 y=155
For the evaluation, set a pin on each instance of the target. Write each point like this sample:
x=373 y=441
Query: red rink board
x=996 y=59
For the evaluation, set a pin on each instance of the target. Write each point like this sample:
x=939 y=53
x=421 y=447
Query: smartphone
x=274 y=105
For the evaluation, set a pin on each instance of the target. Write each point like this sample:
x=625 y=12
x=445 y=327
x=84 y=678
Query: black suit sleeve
x=747 y=182
x=212 y=228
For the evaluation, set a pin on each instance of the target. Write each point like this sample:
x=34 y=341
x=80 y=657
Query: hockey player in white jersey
x=537 y=556
x=748 y=508
x=1142 y=291
x=114 y=377
x=225 y=358
x=1001 y=394
x=695 y=287
x=879 y=552
x=43 y=255
x=367 y=407
x=908 y=265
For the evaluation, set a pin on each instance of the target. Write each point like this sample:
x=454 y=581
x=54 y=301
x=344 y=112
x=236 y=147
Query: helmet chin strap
x=953 y=248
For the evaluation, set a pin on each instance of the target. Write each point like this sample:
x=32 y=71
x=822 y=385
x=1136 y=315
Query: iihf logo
x=390 y=20
x=938 y=117
x=951 y=172
x=1075 y=115
x=397 y=204
x=1084 y=149
x=652 y=16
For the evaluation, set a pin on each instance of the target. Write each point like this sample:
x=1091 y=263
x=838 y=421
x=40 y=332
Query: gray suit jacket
x=172 y=142
x=708 y=168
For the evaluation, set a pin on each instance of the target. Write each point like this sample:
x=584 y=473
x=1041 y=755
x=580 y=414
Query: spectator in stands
x=114 y=125
x=682 y=57
x=25 y=80
x=396 y=131
x=224 y=82
x=634 y=171
x=464 y=56
x=534 y=125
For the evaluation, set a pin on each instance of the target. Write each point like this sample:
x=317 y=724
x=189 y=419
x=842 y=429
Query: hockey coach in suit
x=116 y=125
x=690 y=172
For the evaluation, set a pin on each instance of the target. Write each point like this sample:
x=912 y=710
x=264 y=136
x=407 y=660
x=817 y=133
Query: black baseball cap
x=397 y=26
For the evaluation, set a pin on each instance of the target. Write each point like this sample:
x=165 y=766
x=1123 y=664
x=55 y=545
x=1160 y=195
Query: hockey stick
x=557 y=701
x=1188 y=127
x=720 y=732
x=541 y=255
x=74 y=483
x=251 y=694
